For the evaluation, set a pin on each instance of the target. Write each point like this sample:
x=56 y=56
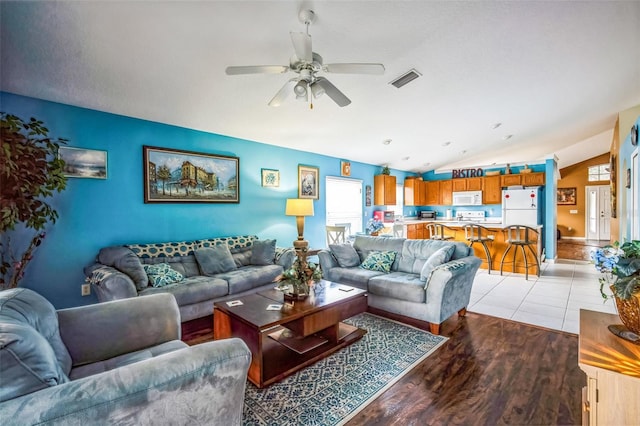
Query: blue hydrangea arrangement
x=620 y=266
x=374 y=226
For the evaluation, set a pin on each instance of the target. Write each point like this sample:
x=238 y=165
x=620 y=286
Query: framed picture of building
x=308 y=184
x=566 y=196
x=83 y=163
x=177 y=176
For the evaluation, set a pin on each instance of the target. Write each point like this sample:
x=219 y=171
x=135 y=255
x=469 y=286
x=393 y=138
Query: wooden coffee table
x=299 y=334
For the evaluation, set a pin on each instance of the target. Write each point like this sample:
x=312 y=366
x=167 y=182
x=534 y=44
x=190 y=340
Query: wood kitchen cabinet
x=414 y=192
x=384 y=190
x=530 y=179
x=612 y=366
x=445 y=188
x=458 y=185
x=510 y=180
x=416 y=231
x=474 y=184
x=491 y=190
x=432 y=196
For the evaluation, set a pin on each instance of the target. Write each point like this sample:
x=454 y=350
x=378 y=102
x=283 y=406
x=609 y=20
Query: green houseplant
x=31 y=172
x=296 y=281
x=620 y=266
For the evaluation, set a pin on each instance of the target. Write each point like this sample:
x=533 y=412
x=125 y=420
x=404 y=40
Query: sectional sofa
x=425 y=281
x=197 y=272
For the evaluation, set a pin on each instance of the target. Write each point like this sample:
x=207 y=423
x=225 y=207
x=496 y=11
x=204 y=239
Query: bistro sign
x=465 y=173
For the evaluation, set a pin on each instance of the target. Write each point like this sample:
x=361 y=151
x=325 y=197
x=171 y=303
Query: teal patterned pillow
x=162 y=274
x=379 y=261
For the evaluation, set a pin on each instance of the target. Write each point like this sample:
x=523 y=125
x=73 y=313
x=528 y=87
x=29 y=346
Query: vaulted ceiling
x=552 y=74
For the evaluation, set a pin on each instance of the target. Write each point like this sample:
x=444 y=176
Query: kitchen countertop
x=492 y=223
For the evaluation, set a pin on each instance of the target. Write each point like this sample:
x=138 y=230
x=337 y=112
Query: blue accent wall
x=98 y=213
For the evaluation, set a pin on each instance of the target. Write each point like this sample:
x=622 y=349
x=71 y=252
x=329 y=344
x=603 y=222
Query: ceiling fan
x=307 y=64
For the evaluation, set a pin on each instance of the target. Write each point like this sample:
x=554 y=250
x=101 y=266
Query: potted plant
x=374 y=226
x=296 y=282
x=30 y=172
x=620 y=266
x=386 y=170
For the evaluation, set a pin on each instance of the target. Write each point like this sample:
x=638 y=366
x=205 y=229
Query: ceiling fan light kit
x=307 y=64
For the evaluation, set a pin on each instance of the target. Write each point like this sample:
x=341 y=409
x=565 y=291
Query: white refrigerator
x=521 y=206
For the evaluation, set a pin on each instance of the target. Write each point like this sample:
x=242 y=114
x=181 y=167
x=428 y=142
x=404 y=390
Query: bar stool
x=521 y=236
x=474 y=233
x=436 y=231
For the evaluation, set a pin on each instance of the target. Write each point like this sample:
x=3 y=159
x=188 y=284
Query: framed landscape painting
x=566 y=196
x=176 y=176
x=308 y=185
x=83 y=163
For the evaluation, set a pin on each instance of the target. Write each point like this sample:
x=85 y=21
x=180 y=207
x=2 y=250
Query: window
x=398 y=208
x=599 y=173
x=344 y=203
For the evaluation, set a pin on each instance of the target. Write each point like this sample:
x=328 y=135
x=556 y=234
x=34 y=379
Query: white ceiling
x=555 y=74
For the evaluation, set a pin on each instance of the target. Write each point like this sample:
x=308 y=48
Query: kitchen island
x=415 y=228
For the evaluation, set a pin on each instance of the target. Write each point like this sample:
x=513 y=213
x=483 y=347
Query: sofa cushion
x=32 y=353
x=439 y=257
x=242 y=257
x=364 y=244
x=399 y=285
x=215 y=260
x=249 y=277
x=355 y=276
x=192 y=290
x=126 y=261
x=379 y=261
x=263 y=252
x=345 y=254
x=186 y=265
x=162 y=274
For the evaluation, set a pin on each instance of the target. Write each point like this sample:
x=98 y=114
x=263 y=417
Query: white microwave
x=467 y=198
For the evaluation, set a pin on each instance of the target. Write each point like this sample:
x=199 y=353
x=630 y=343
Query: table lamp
x=299 y=207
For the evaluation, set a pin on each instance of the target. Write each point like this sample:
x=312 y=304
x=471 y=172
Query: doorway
x=598 y=212
x=344 y=203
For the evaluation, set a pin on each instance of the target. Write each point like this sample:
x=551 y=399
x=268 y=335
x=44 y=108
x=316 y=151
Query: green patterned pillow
x=379 y=261
x=162 y=274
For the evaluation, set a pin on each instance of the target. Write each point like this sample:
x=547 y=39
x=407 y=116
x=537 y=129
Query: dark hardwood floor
x=490 y=372
x=577 y=249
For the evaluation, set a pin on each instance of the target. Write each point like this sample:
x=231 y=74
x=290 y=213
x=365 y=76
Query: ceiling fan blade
x=282 y=94
x=257 y=69
x=376 y=69
x=332 y=91
x=302 y=46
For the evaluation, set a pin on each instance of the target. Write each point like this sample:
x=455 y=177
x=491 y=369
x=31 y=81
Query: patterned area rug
x=333 y=390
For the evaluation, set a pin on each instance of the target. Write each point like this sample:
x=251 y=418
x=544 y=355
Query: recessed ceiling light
x=386 y=141
x=496 y=125
x=463 y=152
x=426 y=164
x=405 y=158
x=507 y=137
x=447 y=143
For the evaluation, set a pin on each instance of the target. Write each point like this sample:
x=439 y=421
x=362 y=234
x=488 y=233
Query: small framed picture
x=84 y=163
x=270 y=177
x=368 y=195
x=628 y=183
x=566 y=196
x=308 y=185
x=345 y=168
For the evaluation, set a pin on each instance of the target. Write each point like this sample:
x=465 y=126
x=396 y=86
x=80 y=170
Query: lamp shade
x=299 y=207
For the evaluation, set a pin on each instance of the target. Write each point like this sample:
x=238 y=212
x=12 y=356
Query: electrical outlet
x=86 y=289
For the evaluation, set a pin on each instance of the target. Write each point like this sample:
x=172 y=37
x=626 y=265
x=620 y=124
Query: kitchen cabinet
x=491 y=190
x=445 y=188
x=432 y=196
x=384 y=190
x=416 y=231
x=459 y=184
x=530 y=179
x=612 y=367
x=414 y=192
x=474 y=184
x=510 y=180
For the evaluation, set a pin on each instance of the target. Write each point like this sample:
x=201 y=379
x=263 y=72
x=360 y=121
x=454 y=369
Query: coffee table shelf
x=314 y=329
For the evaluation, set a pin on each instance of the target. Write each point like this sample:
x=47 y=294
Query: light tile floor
x=552 y=300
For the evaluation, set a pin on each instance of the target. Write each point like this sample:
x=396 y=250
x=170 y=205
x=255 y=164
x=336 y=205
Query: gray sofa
x=204 y=271
x=424 y=280
x=118 y=362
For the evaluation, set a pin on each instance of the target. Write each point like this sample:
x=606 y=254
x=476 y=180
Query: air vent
x=406 y=78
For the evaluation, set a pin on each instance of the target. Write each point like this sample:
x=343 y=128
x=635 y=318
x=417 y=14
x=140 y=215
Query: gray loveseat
x=197 y=272
x=423 y=280
x=118 y=362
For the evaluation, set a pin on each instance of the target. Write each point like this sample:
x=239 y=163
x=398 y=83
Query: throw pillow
x=345 y=254
x=215 y=260
x=437 y=258
x=263 y=252
x=162 y=274
x=379 y=261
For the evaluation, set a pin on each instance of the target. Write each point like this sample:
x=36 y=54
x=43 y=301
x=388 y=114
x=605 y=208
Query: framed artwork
x=83 y=163
x=628 y=183
x=270 y=177
x=367 y=190
x=613 y=184
x=176 y=176
x=566 y=196
x=308 y=183
x=345 y=168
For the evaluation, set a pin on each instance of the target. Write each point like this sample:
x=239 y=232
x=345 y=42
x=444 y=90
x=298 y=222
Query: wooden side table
x=612 y=366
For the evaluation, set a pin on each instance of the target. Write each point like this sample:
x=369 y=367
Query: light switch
x=573 y=211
